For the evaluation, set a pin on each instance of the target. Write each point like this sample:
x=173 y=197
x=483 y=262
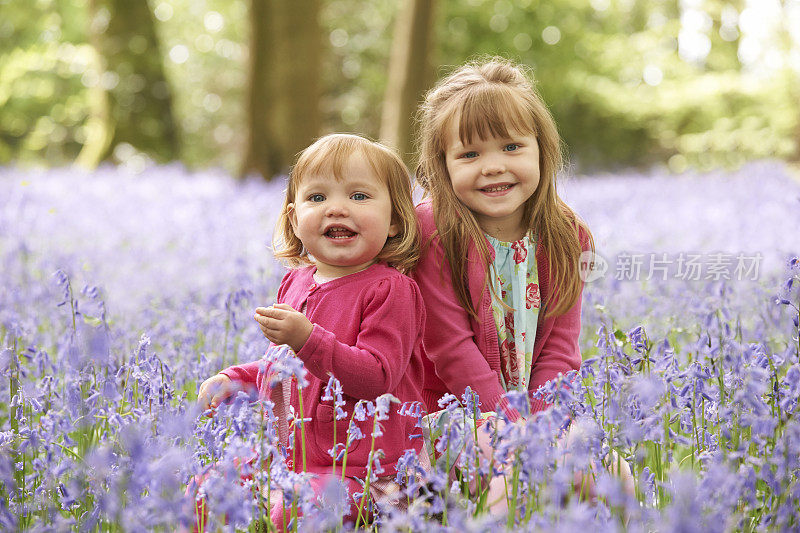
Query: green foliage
x=591 y=64
x=609 y=69
x=44 y=69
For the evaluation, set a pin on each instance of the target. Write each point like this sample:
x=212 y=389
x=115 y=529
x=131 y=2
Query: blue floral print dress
x=515 y=307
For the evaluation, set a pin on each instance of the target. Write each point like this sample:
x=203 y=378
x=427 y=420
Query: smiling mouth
x=497 y=188
x=339 y=232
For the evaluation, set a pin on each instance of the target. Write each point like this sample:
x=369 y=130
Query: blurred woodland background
x=245 y=84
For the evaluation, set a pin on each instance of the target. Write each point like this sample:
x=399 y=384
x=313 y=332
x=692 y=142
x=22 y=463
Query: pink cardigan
x=367 y=332
x=462 y=351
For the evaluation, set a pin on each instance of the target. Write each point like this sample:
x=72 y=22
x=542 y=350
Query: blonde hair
x=330 y=154
x=495 y=98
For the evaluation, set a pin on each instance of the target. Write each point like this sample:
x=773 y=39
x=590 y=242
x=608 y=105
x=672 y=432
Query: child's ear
x=394 y=229
x=290 y=212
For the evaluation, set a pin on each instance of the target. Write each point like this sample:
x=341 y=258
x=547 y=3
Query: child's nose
x=490 y=169
x=336 y=209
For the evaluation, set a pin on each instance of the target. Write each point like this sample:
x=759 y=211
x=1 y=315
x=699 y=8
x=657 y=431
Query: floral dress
x=515 y=307
x=516 y=302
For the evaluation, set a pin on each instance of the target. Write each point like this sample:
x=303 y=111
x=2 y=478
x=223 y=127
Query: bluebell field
x=121 y=293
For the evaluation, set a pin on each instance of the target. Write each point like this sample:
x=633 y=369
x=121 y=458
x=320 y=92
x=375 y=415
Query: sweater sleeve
x=391 y=326
x=449 y=340
x=247 y=373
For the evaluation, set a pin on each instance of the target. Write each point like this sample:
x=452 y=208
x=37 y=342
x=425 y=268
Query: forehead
x=354 y=170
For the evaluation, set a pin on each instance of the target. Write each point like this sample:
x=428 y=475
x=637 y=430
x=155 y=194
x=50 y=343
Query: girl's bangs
x=493 y=111
x=328 y=156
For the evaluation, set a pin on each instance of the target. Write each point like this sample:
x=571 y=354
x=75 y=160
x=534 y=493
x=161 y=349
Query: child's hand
x=283 y=325
x=215 y=390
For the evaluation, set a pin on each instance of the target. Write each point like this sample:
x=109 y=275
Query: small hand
x=215 y=390
x=281 y=324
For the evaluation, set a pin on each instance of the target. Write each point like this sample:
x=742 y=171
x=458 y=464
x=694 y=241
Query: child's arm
x=227 y=383
x=245 y=377
x=391 y=327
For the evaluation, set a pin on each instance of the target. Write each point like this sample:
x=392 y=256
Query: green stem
x=348 y=440
x=302 y=427
x=369 y=473
x=512 y=509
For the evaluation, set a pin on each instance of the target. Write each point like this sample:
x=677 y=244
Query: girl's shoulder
x=293 y=278
x=383 y=273
x=380 y=284
x=302 y=272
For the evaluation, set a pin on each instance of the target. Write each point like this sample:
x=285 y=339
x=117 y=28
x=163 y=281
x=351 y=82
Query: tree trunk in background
x=284 y=84
x=410 y=75
x=298 y=67
x=139 y=108
x=261 y=150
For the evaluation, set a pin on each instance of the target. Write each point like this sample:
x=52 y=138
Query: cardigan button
x=312 y=286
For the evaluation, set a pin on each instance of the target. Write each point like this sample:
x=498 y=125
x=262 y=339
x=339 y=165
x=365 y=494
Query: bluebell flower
x=336 y=451
x=519 y=400
x=359 y=412
x=327 y=395
x=383 y=404
x=284 y=364
x=354 y=432
x=447 y=400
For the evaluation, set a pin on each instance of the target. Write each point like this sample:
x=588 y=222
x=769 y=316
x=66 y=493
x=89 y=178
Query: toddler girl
x=347 y=230
x=499 y=265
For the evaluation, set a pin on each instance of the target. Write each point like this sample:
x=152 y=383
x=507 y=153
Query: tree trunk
x=139 y=103
x=410 y=75
x=284 y=84
x=262 y=154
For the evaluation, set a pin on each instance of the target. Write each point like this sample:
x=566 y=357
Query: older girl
x=499 y=267
x=511 y=311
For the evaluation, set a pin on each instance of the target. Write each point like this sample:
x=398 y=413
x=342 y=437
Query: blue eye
x=511 y=147
x=469 y=155
x=316 y=198
x=359 y=196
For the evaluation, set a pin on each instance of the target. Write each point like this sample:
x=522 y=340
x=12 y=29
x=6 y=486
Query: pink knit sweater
x=461 y=350
x=367 y=332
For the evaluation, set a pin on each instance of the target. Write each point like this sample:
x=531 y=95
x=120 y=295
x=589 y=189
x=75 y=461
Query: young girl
x=499 y=265
x=489 y=156
x=347 y=230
